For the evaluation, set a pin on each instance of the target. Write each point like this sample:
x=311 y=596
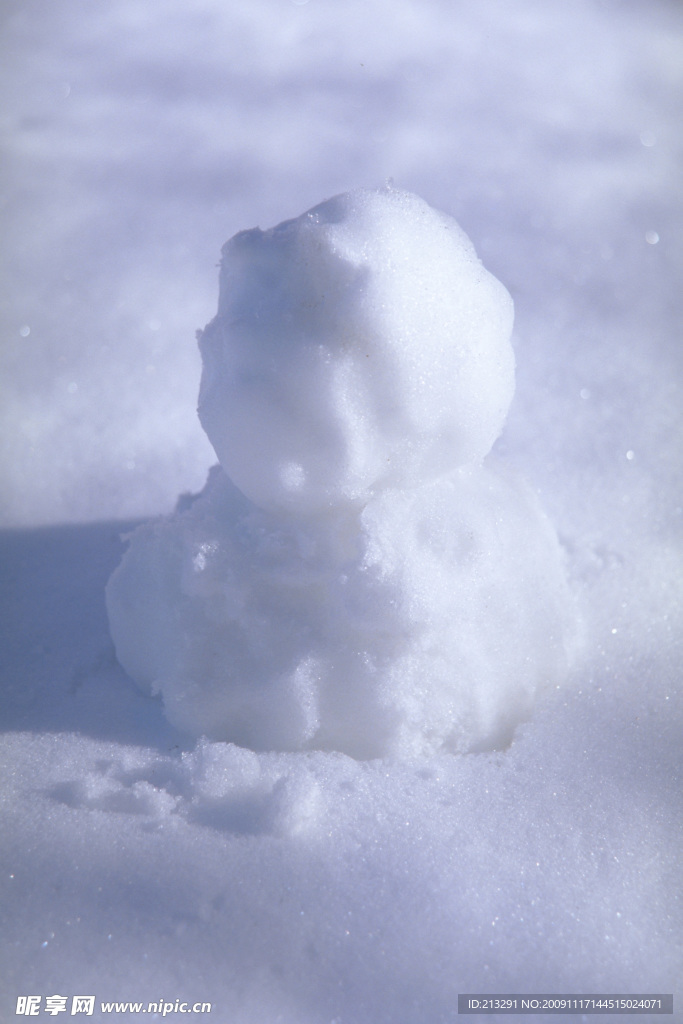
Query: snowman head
x=361 y=346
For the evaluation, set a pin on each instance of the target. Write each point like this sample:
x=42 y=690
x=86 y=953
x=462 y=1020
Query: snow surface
x=310 y=887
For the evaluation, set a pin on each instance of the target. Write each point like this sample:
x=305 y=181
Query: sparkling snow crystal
x=352 y=578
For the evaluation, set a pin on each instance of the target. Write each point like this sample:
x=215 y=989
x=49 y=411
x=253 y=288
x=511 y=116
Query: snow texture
x=307 y=886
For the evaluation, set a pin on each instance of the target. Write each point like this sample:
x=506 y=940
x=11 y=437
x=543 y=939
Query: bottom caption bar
x=646 y=1003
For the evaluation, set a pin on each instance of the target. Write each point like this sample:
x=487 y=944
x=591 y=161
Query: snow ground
x=314 y=888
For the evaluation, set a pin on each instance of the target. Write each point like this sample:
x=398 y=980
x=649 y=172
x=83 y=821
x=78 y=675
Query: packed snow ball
x=352 y=577
x=361 y=346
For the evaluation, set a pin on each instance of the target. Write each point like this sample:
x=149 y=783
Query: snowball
x=352 y=578
x=362 y=345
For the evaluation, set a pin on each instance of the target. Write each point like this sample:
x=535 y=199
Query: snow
x=308 y=886
x=359 y=347
x=429 y=618
x=393 y=596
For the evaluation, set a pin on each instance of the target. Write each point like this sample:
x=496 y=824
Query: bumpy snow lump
x=352 y=577
x=359 y=347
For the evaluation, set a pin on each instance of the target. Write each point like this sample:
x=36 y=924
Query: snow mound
x=351 y=578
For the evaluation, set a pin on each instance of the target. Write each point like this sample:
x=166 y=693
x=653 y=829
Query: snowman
x=358 y=574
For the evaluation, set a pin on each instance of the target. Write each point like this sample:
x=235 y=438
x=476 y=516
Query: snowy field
x=308 y=887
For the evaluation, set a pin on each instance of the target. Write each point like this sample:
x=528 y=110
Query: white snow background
x=312 y=888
